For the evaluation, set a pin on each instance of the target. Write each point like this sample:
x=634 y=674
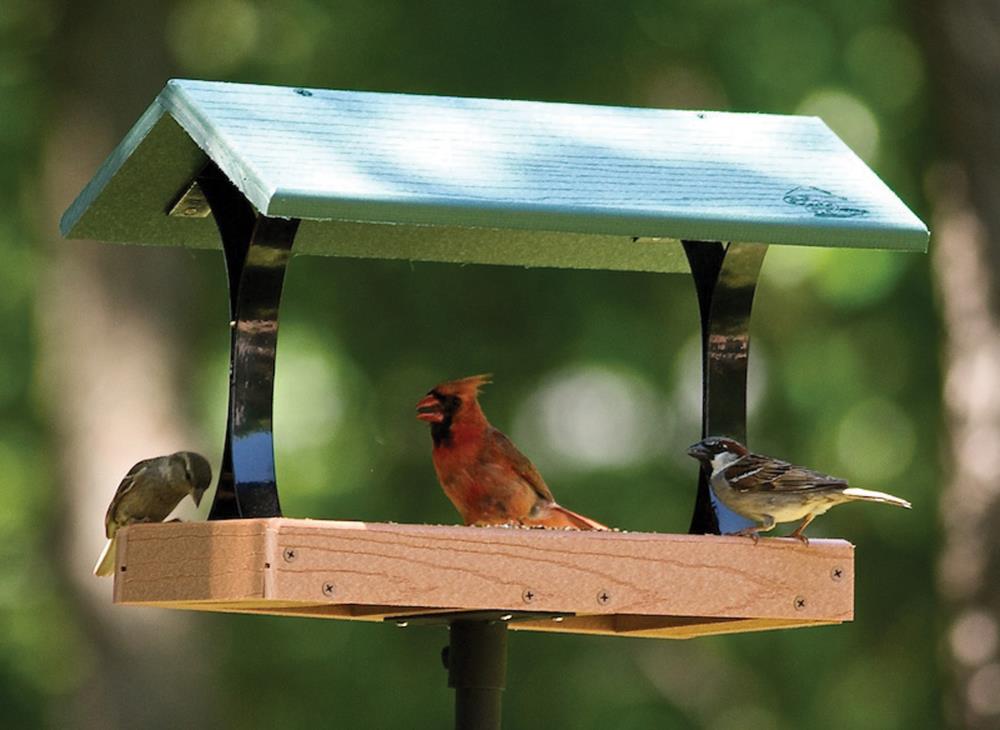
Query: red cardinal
x=488 y=480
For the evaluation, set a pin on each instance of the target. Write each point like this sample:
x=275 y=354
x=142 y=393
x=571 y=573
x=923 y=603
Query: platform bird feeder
x=265 y=172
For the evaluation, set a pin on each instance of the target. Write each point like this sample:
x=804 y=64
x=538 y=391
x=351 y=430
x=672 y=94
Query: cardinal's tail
x=106 y=563
x=575 y=519
x=869 y=495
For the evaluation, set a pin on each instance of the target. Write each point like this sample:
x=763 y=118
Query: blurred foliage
x=845 y=373
x=38 y=630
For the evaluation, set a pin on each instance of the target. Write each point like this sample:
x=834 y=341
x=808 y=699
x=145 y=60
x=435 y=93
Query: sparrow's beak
x=699 y=451
x=429 y=409
x=196 y=495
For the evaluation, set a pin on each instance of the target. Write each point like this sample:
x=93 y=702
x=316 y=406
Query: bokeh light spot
x=682 y=87
x=785 y=48
x=848 y=116
x=667 y=25
x=887 y=64
x=789 y=266
x=876 y=441
x=973 y=637
x=853 y=279
x=309 y=400
x=592 y=416
x=984 y=690
x=822 y=370
x=212 y=37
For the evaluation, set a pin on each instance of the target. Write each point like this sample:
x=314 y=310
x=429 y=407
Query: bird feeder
x=267 y=172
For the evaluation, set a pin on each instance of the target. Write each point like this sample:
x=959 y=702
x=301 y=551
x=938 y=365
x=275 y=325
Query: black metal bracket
x=257 y=250
x=725 y=278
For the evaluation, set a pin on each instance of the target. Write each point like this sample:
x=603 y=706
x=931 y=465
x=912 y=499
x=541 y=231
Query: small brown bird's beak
x=429 y=409
x=699 y=451
x=196 y=495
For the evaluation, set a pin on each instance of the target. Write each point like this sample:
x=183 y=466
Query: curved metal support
x=725 y=277
x=257 y=250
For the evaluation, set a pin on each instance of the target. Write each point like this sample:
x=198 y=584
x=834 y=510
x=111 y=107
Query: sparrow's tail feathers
x=106 y=563
x=869 y=495
x=577 y=520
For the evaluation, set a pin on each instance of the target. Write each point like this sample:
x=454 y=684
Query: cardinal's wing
x=501 y=450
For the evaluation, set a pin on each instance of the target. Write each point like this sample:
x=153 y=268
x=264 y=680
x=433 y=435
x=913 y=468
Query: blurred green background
x=597 y=373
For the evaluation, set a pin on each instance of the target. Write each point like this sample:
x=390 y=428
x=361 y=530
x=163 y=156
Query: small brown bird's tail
x=106 y=563
x=868 y=495
x=568 y=518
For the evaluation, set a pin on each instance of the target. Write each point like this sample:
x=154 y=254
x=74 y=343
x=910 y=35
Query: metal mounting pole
x=257 y=250
x=476 y=658
x=725 y=277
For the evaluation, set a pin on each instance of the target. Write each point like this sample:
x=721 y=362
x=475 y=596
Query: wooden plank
x=643 y=584
x=601 y=187
x=657 y=627
x=176 y=563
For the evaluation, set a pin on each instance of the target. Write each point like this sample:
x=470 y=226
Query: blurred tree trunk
x=963 y=40
x=111 y=343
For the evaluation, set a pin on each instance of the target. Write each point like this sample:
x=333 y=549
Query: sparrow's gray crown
x=708 y=448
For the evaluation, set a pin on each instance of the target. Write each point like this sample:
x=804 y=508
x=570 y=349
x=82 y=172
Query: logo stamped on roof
x=822 y=203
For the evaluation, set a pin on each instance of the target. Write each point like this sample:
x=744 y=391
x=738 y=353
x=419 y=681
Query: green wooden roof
x=490 y=181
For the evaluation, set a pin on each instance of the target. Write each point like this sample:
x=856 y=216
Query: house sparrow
x=488 y=480
x=149 y=493
x=770 y=491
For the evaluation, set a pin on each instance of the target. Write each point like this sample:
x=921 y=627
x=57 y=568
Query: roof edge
x=213 y=142
x=110 y=167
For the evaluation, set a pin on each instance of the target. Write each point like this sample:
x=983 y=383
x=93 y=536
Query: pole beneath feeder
x=476 y=659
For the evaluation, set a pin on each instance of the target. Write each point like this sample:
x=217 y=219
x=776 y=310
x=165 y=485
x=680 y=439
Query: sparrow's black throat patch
x=441 y=431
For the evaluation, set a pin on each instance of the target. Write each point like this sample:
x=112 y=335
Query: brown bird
x=149 y=493
x=488 y=480
x=770 y=491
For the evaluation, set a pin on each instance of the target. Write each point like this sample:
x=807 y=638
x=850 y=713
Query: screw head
x=603 y=597
x=328 y=589
x=800 y=603
x=837 y=574
x=528 y=595
x=289 y=554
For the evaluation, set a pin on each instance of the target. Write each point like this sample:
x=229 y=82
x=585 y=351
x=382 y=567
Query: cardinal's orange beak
x=429 y=409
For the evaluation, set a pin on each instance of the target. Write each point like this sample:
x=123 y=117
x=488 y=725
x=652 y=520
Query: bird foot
x=750 y=532
x=801 y=538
